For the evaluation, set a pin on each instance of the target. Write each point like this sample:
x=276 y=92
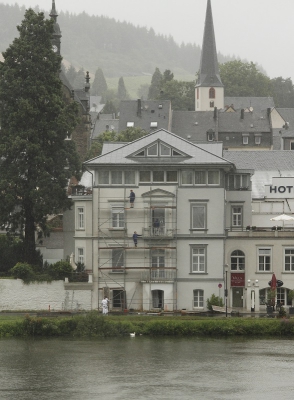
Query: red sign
x=237 y=279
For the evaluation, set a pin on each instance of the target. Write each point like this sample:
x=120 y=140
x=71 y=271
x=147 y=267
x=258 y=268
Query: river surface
x=146 y=368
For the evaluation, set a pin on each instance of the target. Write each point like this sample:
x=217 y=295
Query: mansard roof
x=209 y=71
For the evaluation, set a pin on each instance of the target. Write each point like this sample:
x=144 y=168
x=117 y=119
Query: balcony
x=261 y=231
x=158 y=275
x=161 y=232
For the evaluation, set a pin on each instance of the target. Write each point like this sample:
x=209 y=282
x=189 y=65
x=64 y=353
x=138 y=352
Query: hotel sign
x=281 y=188
x=237 y=279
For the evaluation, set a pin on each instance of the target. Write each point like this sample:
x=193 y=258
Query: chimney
x=215 y=113
x=268 y=111
x=139 y=111
x=242 y=113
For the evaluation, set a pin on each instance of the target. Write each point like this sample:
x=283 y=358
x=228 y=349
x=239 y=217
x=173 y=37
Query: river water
x=146 y=368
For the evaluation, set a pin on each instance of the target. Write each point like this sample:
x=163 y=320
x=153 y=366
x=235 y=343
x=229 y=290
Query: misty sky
x=261 y=31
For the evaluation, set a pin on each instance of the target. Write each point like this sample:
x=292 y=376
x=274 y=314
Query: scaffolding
x=126 y=271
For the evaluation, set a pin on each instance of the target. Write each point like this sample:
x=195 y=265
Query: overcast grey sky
x=261 y=31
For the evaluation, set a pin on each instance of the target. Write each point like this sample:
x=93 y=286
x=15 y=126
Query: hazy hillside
x=119 y=48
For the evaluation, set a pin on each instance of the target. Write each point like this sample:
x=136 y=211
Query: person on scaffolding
x=132 y=197
x=135 y=238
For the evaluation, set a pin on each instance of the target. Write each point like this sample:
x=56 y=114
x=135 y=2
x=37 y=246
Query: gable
x=158 y=148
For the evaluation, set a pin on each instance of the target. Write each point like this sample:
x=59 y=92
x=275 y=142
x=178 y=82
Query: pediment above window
x=158 y=193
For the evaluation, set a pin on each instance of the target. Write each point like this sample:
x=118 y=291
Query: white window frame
x=218 y=178
x=81 y=255
x=117 y=217
x=245 y=140
x=189 y=172
x=204 y=207
x=198 y=298
x=291 y=259
x=120 y=268
x=237 y=215
x=238 y=257
x=80 y=218
x=198 y=259
x=263 y=264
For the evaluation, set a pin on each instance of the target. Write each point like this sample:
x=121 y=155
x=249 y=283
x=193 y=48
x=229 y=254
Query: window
x=237 y=212
x=291 y=145
x=211 y=104
x=130 y=178
x=198 y=298
x=198 y=216
x=103 y=177
x=187 y=177
x=158 y=176
x=245 y=139
x=212 y=93
x=145 y=176
x=117 y=260
x=239 y=182
x=130 y=124
x=198 y=259
x=153 y=125
x=158 y=263
x=116 y=177
x=289 y=260
x=152 y=150
x=80 y=218
x=237 y=260
x=81 y=256
x=118 y=217
x=264 y=260
x=171 y=176
x=118 y=298
x=140 y=154
x=257 y=139
x=200 y=177
x=164 y=150
x=213 y=177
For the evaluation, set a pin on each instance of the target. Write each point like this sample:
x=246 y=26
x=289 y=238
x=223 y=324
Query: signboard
x=237 y=279
x=281 y=188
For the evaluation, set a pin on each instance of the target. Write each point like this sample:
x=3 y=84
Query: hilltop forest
x=118 y=48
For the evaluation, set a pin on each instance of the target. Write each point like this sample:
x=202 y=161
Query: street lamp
x=226 y=288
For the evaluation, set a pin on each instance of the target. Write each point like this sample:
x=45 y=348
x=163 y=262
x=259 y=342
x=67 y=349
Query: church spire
x=209 y=70
x=209 y=90
x=57 y=32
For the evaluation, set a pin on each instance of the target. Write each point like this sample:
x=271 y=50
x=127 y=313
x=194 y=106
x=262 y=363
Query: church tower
x=56 y=39
x=209 y=90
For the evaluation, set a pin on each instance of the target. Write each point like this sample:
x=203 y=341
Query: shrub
x=60 y=270
x=214 y=301
x=22 y=271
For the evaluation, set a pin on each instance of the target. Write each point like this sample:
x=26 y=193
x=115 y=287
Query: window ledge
x=198 y=273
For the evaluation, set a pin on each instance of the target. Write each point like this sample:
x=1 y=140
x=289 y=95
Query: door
x=157 y=299
x=158 y=221
x=157 y=263
x=237 y=296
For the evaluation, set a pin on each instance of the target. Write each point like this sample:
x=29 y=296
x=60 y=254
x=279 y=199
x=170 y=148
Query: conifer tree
x=122 y=91
x=36 y=160
x=99 y=84
x=154 y=89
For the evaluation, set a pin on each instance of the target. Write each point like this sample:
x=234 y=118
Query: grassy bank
x=92 y=325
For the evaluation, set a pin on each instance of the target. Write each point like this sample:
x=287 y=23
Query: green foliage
x=283 y=92
x=121 y=90
x=181 y=94
x=80 y=79
x=22 y=271
x=11 y=250
x=244 y=79
x=99 y=85
x=36 y=161
x=154 y=89
x=109 y=108
x=60 y=270
x=214 y=301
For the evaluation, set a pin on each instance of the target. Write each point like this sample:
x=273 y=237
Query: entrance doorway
x=158 y=221
x=237 y=296
x=158 y=299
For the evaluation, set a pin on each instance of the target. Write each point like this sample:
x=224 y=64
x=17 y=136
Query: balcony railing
x=158 y=275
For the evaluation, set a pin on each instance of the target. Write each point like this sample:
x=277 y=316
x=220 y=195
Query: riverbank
x=93 y=325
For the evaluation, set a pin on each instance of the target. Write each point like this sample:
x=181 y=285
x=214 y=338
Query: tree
x=121 y=90
x=79 y=81
x=36 y=161
x=283 y=92
x=71 y=74
x=109 y=108
x=244 y=79
x=154 y=89
x=99 y=85
x=167 y=76
x=180 y=93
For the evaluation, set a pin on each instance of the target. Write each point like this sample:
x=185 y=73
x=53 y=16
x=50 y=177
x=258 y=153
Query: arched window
x=198 y=295
x=237 y=260
x=212 y=93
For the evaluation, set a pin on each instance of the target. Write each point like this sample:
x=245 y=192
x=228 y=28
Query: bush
x=60 y=270
x=214 y=301
x=22 y=271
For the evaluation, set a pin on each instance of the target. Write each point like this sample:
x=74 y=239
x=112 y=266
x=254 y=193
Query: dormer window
x=130 y=124
x=212 y=93
x=152 y=150
x=153 y=125
x=164 y=150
